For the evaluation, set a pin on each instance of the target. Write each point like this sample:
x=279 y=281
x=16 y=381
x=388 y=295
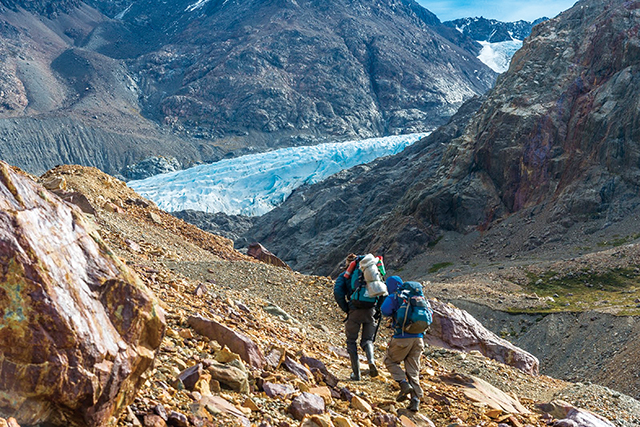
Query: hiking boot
x=373 y=370
x=414 y=406
x=368 y=351
x=355 y=367
x=405 y=390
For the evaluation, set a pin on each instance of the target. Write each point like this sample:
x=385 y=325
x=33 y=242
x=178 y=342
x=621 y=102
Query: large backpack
x=414 y=313
x=359 y=297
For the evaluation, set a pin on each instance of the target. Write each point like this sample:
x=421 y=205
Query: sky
x=502 y=10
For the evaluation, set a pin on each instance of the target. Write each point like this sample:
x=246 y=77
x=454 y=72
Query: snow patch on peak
x=120 y=15
x=253 y=185
x=196 y=5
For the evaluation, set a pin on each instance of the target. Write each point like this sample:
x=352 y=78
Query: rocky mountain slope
x=204 y=286
x=113 y=83
x=549 y=159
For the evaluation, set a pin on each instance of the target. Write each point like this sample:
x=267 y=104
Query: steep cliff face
x=558 y=133
x=562 y=125
x=227 y=76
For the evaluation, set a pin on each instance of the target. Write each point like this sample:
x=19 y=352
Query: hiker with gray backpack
x=359 y=291
x=412 y=315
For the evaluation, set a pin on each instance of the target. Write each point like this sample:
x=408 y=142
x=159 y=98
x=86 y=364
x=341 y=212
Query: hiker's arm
x=388 y=306
x=339 y=293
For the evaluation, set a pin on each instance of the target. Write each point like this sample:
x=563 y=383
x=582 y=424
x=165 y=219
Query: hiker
x=406 y=346
x=362 y=312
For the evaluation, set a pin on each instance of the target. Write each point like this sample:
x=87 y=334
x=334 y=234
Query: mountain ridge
x=173 y=74
x=492 y=30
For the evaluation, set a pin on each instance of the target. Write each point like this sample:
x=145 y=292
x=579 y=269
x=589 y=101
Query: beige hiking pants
x=407 y=350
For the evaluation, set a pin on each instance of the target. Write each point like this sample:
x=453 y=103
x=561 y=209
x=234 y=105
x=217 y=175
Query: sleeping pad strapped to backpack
x=359 y=296
x=414 y=312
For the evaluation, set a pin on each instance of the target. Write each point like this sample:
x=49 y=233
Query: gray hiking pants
x=407 y=350
x=359 y=319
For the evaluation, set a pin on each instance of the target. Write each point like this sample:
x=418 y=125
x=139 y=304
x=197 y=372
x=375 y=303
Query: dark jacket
x=342 y=294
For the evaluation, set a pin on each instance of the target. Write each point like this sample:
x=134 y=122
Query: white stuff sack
x=375 y=286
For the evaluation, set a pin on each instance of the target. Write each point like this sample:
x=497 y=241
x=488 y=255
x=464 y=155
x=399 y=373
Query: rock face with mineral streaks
x=456 y=329
x=77 y=327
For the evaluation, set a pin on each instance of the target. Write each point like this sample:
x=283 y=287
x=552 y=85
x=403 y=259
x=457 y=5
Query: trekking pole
x=378 y=318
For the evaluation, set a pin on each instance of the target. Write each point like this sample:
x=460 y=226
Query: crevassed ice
x=254 y=184
x=497 y=56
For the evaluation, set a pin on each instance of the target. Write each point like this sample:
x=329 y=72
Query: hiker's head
x=349 y=259
x=393 y=283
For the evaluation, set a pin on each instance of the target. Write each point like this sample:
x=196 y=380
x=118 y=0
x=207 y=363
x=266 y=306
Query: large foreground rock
x=456 y=329
x=77 y=328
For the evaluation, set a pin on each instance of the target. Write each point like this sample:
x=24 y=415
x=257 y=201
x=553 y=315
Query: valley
x=514 y=198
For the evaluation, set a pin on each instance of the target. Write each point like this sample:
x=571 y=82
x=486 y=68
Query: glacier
x=254 y=184
x=497 y=56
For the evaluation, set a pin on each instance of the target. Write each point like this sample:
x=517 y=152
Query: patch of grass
x=619 y=241
x=439 y=266
x=432 y=243
x=585 y=290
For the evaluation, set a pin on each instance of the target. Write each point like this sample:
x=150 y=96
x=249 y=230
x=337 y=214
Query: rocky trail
x=297 y=351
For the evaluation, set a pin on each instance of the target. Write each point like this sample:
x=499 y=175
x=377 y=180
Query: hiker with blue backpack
x=412 y=315
x=359 y=291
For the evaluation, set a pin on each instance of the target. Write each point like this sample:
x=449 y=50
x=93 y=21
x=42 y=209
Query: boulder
x=152 y=420
x=306 y=404
x=317 y=365
x=341 y=421
x=570 y=415
x=297 y=369
x=279 y=312
x=178 y=419
x=282 y=390
x=323 y=420
x=261 y=253
x=275 y=357
x=236 y=379
x=360 y=404
x=456 y=329
x=219 y=405
x=76 y=198
x=77 y=327
x=190 y=376
x=237 y=342
x=484 y=393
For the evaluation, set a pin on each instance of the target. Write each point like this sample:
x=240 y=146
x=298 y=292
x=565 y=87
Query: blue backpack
x=359 y=297
x=414 y=313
